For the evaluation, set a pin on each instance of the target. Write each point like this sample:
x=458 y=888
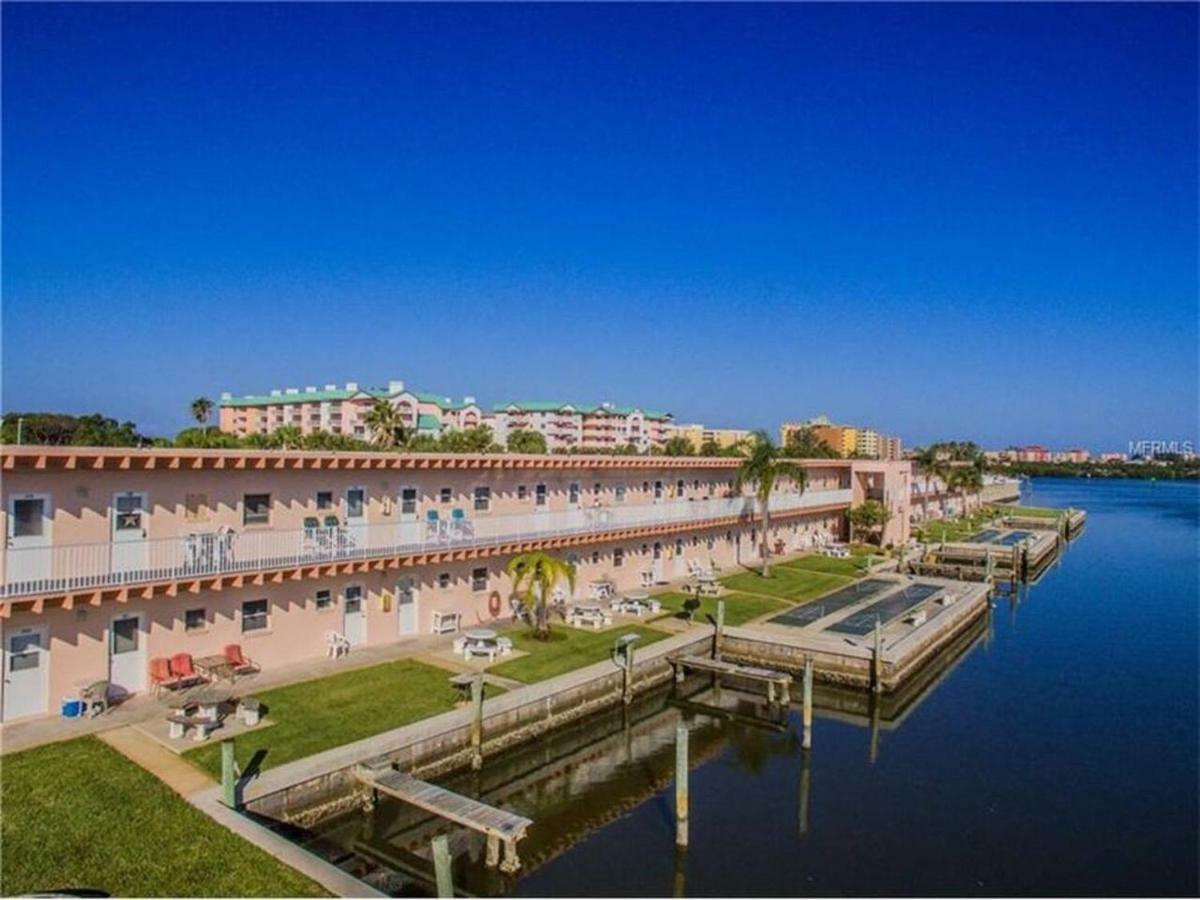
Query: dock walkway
x=497 y=825
x=770 y=677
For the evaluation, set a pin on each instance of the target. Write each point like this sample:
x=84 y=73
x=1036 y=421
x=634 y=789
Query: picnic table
x=637 y=603
x=589 y=614
x=216 y=667
x=482 y=642
x=206 y=700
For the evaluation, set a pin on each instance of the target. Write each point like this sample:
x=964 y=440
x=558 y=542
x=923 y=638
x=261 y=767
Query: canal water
x=1053 y=751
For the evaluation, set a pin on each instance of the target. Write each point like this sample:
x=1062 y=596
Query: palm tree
x=534 y=576
x=930 y=461
x=764 y=465
x=202 y=408
x=386 y=424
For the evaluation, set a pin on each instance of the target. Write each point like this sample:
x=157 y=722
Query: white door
x=127 y=654
x=411 y=531
x=356 y=516
x=354 y=617
x=130 y=550
x=657 y=567
x=406 y=605
x=26 y=672
x=28 y=557
x=679 y=563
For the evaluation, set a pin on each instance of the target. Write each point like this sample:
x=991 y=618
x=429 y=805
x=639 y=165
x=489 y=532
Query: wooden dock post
x=877 y=659
x=719 y=634
x=681 y=786
x=808 y=702
x=228 y=773
x=627 y=685
x=477 y=721
x=441 y=866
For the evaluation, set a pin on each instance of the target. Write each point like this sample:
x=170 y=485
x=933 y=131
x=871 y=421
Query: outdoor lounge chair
x=161 y=676
x=95 y=698
x=331 y=522
x=242 y=665
x=182 y=669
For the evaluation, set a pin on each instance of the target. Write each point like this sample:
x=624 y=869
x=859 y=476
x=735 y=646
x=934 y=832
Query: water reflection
x=574 y=782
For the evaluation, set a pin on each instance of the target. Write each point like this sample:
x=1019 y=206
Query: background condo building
x=699 y=435
x=847 y=440
x=116 y=557
x=568 y=426
x=343 y=410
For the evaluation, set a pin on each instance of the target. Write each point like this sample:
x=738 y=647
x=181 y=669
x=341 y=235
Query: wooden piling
x=477 y=721
x=228 y=773
x=808 y=702
x=627 y=685
x=719 y=634
x=877 y=659
x=441 y=866
x=681 y=786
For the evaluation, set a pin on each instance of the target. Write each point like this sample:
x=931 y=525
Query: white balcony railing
x=37 y=570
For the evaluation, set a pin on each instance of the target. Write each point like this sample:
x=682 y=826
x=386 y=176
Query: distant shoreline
x=1189 y=471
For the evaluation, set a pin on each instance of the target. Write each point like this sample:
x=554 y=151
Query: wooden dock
x=770 y=677
x=498 y=825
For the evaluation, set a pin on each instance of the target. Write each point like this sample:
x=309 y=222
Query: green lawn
x=568 y=648
x=739 y=608
x=327 y=712
x=796 y=585
x=854 y=567
x=955 y=529
x=77 y=814
x=1044 y=512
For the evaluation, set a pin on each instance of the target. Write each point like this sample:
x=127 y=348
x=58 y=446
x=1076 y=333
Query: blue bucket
x=72 y=708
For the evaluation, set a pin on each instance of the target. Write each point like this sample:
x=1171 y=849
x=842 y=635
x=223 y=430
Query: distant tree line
x=1172 y=468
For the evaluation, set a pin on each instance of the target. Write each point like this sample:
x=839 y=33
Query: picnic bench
x=446 y=622
x=589 y=617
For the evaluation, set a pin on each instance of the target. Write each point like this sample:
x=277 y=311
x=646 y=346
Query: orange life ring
x=494 y=603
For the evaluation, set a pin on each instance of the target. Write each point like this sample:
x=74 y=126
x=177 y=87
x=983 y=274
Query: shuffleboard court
x=1013 y=537
x=890 y=607
x=806 y=614
x=984 y=537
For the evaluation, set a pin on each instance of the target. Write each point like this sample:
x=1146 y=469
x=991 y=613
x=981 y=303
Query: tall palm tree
x=763 y=466
x=534 y=576
x=386 y=424
x=929 y=461
x=202 y=408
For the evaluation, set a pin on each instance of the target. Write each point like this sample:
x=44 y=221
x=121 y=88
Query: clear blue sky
x=947 y=221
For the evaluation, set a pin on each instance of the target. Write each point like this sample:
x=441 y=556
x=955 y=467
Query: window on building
x=443 y=580
x=408 y=501
x=324 y=599
x=711 y=542
x=596 y=488
x=324 y=499
x=254 y=615
x=619 y=492
x=256 y=509
x=696 y=485
x=356 y=499
x=522 y=492
x=680 y=488
x=595 y=557
x=645 y=487
x=194 y=620
x=573 y=493
x=479 y=579
x=573 y=559
x=618 y=557
x=539 y=495
x=195 y=507
x=445 y=495
x=483 y=499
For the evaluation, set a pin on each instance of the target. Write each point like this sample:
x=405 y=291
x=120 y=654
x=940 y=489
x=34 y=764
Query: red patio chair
x=161 y=677
x=182 y=668
x=242 y=665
